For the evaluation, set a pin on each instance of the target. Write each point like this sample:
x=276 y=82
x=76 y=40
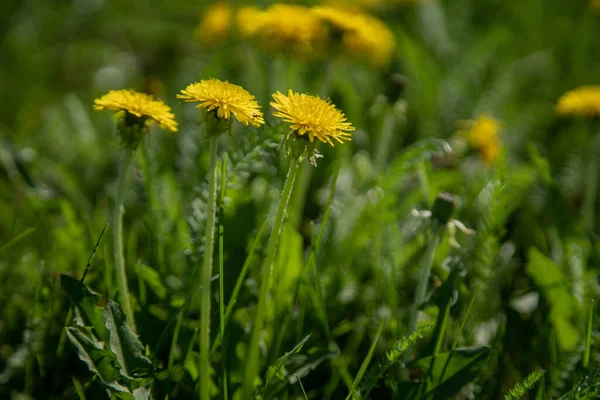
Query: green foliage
x=514 y=276
x=525 y=385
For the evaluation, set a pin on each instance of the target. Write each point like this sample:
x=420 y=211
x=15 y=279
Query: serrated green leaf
x=152 y=278
x=101 y=362
x=85 y=301
x=125 y=344
x=547 y=276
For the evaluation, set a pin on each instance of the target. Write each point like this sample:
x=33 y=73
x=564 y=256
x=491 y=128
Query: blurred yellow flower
x=215 y=24
x=248 y=20
x=595 y=5
x=482 y=135
x=362 y=34
x=140 y=105
x=582 y=101
x=312 y=116
x=283 y=28
x=226 y=98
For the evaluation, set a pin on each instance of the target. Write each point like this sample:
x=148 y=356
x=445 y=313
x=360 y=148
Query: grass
x=354 y=288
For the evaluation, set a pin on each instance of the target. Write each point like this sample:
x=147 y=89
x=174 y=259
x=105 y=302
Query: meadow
x=367 y=199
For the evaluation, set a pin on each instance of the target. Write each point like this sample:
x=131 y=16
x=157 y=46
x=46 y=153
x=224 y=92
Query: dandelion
x=582 y=101
x=137 y=110
x=482 y=135
x=248 y=20
x=284 y=28
x=226 y=99
x=309 y=117
x=362 y=34
x=312 y=117
x=220 y=100
x=216 y=23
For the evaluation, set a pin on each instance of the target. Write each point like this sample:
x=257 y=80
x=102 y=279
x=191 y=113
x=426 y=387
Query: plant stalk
x=119 y=256
x=206 y=271
x=267 y=272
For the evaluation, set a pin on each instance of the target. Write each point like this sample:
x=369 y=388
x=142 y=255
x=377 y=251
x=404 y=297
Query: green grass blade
x=366 y=362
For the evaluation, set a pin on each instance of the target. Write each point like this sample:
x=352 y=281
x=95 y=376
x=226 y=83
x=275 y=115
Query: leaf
x=99 y=361
x=411 y=158
x=393 y=357
x=447 y=373
x=525 y=385
x=152 y=278
x=366 y=362
x=276 y=367
x=85 y=302
x=547 y=276
x=297 y=367
x=125 y=344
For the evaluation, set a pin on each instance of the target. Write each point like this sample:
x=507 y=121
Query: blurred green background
x=533 y=261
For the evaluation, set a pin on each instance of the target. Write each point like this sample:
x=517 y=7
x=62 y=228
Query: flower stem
x=425 y=268
x=267 y=272
x=209 y=239
x=118 y=239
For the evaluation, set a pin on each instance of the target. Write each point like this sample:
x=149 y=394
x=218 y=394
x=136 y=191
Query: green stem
x=267 y=272
x=155 y=214
x=425 y=267
x=209 y=239
x=589 y=200
x=222 y=278
x=119 y=257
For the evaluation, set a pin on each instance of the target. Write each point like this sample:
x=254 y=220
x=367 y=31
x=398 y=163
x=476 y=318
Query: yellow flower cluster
x=482 y=134
x=141 y=105
x=286 y=28
x=309 y=116
x=582 y=101
x=362 y=34
x=215 y=24
x=295 y=29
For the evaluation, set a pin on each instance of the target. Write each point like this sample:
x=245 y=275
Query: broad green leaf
x=446 y=373
x=85 y=303
x=549 y=278
x=125 y=344
x=99 y=361
x=152 y=279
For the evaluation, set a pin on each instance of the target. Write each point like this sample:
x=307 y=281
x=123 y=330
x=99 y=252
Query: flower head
x=215 y=24
x=312 y=117
x=284 y=28
x=582 y=101
x=362 y=34
x=141 y=105
x=482 y=135
x=226 y=99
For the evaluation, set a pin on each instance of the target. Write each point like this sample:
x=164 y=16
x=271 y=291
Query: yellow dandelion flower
x=248 y=20
x=285 y=28
x=483 y=135
x=363 y=34
x=226 y=98
x=141 y=105
x=582 y=101
x=312 y=117
x=215 y=24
